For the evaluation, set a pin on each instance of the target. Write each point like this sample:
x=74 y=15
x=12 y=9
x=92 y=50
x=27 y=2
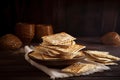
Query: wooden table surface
x=15 y=67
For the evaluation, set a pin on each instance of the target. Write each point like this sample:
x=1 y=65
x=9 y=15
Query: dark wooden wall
x=76 y=17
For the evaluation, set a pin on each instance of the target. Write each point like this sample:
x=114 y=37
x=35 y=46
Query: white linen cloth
x=56 y=73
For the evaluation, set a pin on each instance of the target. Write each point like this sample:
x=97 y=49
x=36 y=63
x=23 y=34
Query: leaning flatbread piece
x=97 y=59
x=103 y=60
x=58 y=38
x=102 y=55
x=80 y=54
x=110 y=63
x=96 y=52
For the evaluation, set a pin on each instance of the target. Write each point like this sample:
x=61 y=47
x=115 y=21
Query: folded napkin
x=57 y=73
x=53 y=73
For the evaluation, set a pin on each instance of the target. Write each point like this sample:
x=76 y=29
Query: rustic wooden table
x=15 y=67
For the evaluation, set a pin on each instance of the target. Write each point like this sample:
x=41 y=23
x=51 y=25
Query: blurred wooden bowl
x=111 y=38
x=25 y=32
x=10 y=41
x=57 y=62
x=43 y=30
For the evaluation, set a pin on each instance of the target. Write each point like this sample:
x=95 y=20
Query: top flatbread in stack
x=60 y=45
x=58 y=39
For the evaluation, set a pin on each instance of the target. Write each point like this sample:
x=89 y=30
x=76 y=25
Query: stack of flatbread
x=58 y=46
x=63 y=46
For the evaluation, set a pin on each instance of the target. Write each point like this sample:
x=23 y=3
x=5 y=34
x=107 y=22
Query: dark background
x=76 y=17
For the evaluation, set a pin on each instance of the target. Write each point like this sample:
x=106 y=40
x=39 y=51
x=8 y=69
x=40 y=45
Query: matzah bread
x=66 y=53
x=79 y=68
x=58 y=38
x=64 y=45
x=45 y=50
x=96 y=52
x=110 y=63
x=70 y=49
x=102 y=55
x=41 y=56
x=97 y=59
x=80 y=54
